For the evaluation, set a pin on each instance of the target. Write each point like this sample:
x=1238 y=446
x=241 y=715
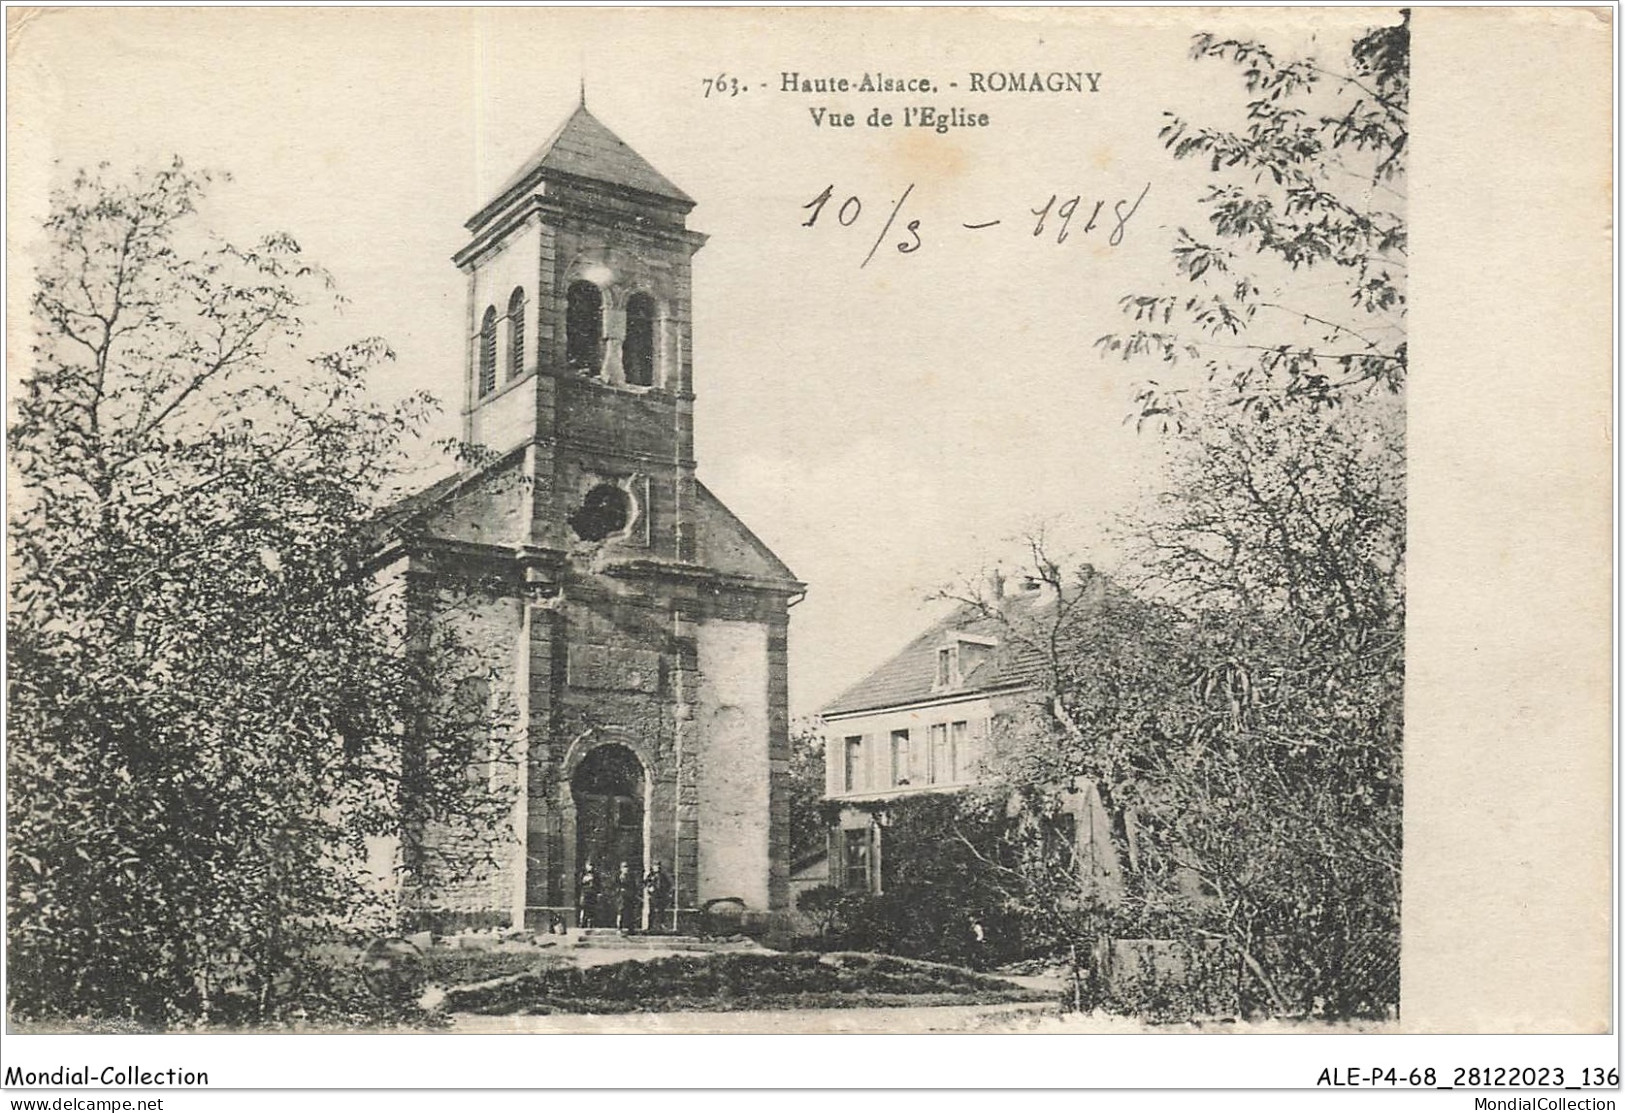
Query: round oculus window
x=606 y=510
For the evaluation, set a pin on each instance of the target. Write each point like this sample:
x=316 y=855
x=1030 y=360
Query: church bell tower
x=579 y=341
x=629 y=627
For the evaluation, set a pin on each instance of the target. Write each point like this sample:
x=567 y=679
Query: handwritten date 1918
x=1057 y=219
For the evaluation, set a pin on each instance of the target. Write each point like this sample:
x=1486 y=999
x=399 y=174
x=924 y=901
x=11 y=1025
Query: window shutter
x=488 y=352
x=516 y=334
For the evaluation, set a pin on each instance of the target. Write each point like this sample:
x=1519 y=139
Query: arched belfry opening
x=638 y=349
x=610 y=791
x=584 y=328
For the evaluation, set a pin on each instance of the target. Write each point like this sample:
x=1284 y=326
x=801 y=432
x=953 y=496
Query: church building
x=628 y=629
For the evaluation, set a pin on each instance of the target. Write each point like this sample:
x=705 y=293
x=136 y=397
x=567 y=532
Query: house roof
x=582 y=147
x=910 y=676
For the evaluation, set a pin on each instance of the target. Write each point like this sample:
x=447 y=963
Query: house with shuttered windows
x=920 y=723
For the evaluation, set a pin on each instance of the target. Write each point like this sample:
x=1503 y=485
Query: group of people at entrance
x=629 y=900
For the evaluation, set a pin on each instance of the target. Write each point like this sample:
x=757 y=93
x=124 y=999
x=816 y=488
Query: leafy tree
x=209 y=705
x=809 y=833
x=1110 y=667
x=1286 y=545
x=1296 y=292
x=1282 y=530
x=1240 y=713
x=1249 y=773
x=940 y=874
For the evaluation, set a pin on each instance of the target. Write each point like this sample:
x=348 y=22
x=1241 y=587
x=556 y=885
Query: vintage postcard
x=782 y=520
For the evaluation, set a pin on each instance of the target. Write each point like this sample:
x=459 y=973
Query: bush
x=938 y=882
x=1164 y=981
x=822 y=903
x=454 y=966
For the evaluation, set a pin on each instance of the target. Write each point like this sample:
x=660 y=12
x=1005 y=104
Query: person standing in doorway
x=586 y=896
x=657 y=896
x=628 y=894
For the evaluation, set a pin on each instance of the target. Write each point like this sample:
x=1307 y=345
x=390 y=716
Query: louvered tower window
x=516 y=334
x=488 y=352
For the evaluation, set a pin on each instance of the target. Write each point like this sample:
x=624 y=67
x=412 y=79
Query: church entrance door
x=608 y=788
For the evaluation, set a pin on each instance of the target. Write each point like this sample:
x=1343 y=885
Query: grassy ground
x=518 y=982
x=449 y=966
x=729 y=982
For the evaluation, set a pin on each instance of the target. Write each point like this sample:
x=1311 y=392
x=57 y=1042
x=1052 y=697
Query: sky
x=888 y=427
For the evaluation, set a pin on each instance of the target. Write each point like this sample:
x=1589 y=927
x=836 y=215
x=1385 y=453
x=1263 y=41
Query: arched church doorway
x=608 y=788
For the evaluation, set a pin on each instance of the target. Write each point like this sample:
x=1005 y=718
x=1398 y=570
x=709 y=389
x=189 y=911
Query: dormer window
x=638 y=349
x=960 y=658
x=584 y=328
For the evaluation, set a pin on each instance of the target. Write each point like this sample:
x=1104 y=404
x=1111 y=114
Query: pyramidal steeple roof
x=582 y=147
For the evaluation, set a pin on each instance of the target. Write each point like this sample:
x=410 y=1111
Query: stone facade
x=633 y=631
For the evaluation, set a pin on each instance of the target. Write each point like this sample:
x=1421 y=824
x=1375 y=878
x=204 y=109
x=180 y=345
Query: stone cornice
x=699 y=574
x=553 y=563
x=675 y=208
x=557 y=212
